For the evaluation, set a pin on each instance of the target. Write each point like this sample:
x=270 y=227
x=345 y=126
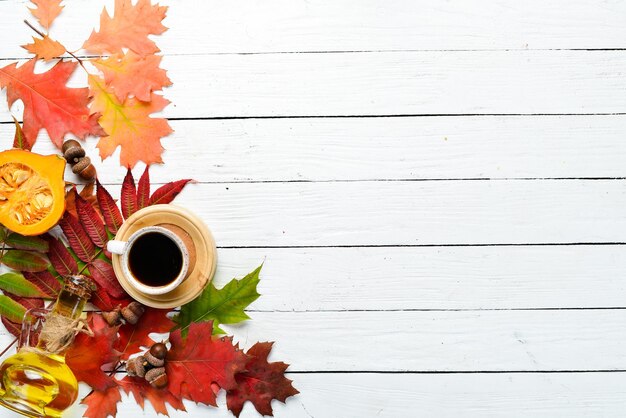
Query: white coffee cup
x=175 y=234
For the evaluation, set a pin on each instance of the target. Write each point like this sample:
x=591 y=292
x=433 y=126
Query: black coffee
x=154 y=259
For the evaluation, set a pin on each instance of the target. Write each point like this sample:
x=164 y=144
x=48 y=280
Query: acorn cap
x=156 y=362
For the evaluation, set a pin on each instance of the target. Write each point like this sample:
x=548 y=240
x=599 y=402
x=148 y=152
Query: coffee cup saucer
x=206 y=254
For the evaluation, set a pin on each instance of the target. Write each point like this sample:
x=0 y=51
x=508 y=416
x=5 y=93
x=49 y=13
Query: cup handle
x=116 y=247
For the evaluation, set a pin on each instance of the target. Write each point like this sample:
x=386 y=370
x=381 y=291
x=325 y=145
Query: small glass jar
x=36 y=381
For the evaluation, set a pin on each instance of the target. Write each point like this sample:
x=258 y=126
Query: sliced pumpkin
x=32 y=191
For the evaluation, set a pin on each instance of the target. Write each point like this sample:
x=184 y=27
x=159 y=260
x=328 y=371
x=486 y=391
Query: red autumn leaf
x=88 y=354
x=133 y=337
x=102 y=404
x=143 y=189
x=45 y=281
x=128 y=195
x=109 y=209
x=46 y=11
x=133 y=75
x=91 y=221
x=48 y=102
x=193 y=364
x=159 y=398
x=29 y=303
x=60 y=257
x=128 y=28
x=105 y=302
x=260 y=383
x=77 y=237
x=167 y=192
x=103 y=274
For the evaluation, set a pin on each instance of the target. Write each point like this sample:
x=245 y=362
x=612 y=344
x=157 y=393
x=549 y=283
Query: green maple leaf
x=222 y=306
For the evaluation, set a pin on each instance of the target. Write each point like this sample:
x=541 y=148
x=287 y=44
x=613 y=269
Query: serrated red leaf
x=143 y=189
x=77 y=237
x=102 y=404
x=48 y=103
x=159 y=398
x=260 y=383
x=60 y=257
x=133 y=337
x=193 y=364
x=92 y=222
x=14 y=328
x=167 y=192
x=108 y=208
x=45 y=281
x=88 y=354
x=103 y=274
x=129 y=195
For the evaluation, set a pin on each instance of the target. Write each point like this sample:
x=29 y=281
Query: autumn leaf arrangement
x=195 y=360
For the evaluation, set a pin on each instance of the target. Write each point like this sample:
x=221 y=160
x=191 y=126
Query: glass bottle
x=36 y=381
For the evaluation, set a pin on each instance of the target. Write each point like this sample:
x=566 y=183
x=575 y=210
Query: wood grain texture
x=392 y=83
x=431 y=278
x=211 y=26
x=321 y=149
x=507 y=341
x=410 y=213
x=559 y=395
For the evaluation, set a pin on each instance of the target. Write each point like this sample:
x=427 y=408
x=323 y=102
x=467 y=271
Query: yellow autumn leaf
x=128 y=125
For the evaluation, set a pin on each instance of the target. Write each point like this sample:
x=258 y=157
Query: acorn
x=114 y=317
x=72 y=151
x=156 y=362
x=84 y=168
x=157 y=377
x=159 y=350
x=132 y=312
x=136 y=366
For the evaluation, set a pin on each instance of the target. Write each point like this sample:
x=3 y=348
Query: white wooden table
x=437 y=189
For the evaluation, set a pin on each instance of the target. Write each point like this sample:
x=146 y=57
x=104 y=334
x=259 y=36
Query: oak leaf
x=46 y=11
x=88 y=354
x=128 y=124
x=159 y=398
x=133 y=337
x=45 y=48
x=129 y=27
x=193 y=364
x=131 y=74
x=260 y=383
x=48 y=102
x=102 y=403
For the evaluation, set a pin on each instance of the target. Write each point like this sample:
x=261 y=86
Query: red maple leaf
x=159 y=398
x=133 y=337
x=48 y=102
x=101 y=404
x=260 y=383
x=88 y=354
x=193 y=364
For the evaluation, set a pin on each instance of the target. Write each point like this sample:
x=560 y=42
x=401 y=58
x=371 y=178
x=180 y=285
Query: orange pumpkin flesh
x=32 y=191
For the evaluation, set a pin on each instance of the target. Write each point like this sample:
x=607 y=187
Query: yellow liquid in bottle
x=37 y=384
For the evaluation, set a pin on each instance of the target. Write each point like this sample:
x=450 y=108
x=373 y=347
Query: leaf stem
x=37 y=31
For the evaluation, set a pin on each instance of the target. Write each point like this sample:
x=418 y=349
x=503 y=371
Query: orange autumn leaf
x=102 y=404
x=46 y=48
x=46 y=11
x=128 y=28
x=128 y=124
x=131 y=74
x=48 y=102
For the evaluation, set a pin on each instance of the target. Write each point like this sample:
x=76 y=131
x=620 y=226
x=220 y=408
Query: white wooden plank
x=312 y=279
x=447 y=396
x=578 y=340
x=461 y=82
x=322 y=25
x=381 y=148
x=410 y=213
